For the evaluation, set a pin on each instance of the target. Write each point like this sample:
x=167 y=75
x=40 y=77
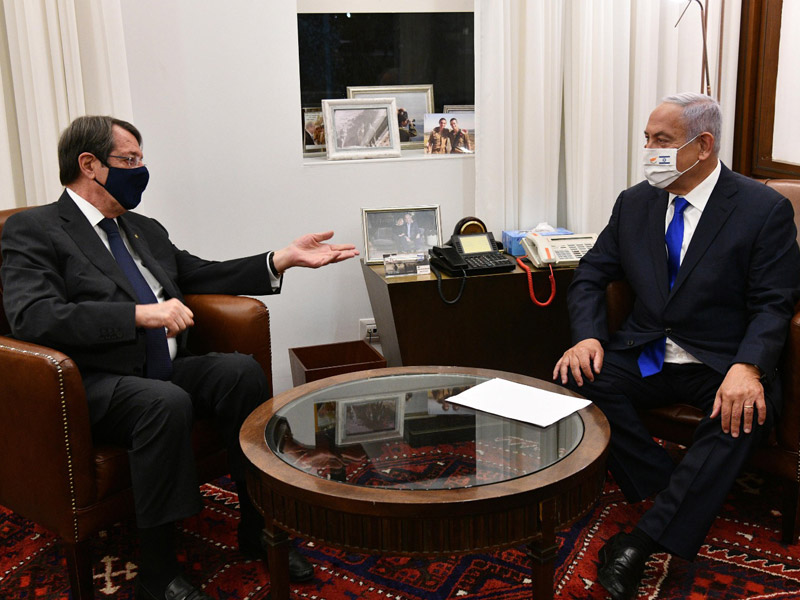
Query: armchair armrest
x=619 y=303
x=45 y=435
x=231 y=323
x=787 y=429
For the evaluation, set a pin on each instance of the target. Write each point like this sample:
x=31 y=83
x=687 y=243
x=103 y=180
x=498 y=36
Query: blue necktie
x=158 y=364
x=651 y=360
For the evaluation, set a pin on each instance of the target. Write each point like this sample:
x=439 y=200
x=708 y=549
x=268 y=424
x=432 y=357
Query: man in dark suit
x=410 y=235
x=106 y=286
x=715 y=286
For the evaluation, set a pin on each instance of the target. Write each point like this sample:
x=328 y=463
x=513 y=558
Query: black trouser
x=690 y=494
x=154 y=419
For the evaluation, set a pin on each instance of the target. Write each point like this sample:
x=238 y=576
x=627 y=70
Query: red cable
x=525 y=268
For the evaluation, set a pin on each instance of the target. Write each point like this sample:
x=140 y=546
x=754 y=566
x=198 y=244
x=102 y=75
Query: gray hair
x=90 y=133
x=701 y=113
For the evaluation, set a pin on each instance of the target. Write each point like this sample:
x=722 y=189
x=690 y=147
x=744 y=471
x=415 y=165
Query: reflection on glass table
x=405 y=433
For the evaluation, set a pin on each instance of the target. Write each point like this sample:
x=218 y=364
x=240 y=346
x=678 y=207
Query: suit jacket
x=735 y=290
x=412 y=232
x=62 y=287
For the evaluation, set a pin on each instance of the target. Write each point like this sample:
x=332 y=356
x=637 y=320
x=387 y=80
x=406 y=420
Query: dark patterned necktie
x=159 y=363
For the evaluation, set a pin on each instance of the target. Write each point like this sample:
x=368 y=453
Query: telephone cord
x=527 y=270
x=439 y=285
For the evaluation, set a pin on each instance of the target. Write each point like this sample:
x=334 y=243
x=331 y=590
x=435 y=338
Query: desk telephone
x=557 y=250
x=473 y=251
x=472 y=254
x=550 y=250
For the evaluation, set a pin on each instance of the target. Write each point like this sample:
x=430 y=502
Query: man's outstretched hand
x=311 y=251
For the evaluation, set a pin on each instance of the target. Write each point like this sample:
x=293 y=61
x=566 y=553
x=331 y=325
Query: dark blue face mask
x=127 y=185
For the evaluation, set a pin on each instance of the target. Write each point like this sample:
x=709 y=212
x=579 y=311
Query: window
x=758 y=113
x=378 y=49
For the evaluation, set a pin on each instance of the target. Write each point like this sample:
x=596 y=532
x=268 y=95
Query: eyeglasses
x=133 y=161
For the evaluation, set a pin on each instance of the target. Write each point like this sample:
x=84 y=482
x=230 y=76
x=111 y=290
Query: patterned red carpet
x=742 y=558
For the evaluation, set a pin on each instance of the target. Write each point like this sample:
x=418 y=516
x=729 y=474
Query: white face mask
x=661 y=165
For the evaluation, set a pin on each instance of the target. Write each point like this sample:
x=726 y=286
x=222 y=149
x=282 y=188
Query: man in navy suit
x=715 y=287
x=106 y=286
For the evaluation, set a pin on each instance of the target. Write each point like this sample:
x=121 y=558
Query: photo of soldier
x=449 y=133
x=437 y=141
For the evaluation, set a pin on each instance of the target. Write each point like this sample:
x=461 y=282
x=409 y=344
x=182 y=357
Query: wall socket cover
x=367 y=330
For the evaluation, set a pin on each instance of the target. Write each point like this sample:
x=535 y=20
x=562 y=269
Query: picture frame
x=370 y=419
x=313 y=131
x=361 y=128
x=459 y=137
x=458 y=108
x=324 y=415
x=416 y=100
x=387 y=231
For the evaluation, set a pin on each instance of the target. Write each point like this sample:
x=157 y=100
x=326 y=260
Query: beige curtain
x=519 y=99
x=596 y=109
x=65 y=58
x=578 y=79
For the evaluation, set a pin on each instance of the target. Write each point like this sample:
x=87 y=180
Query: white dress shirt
x=697 y=199
x=94 y=217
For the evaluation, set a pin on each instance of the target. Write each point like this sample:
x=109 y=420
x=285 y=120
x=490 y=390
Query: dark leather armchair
x=52 y=473
x=779 y=455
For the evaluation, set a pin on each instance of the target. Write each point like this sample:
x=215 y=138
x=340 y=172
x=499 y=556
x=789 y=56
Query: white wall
x=215 y=91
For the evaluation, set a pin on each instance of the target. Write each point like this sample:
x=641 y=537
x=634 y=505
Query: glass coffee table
x=380 y=462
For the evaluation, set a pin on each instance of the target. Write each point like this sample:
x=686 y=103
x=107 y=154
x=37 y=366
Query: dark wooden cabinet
x=494 y=325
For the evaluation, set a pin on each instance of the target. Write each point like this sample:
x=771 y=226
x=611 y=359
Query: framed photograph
x=458 y=108
x=363 y=128
x=413 y=101
x=371 y=419
x=324 y=415
x=400 y=230
x=450 y=133
x=313 y=131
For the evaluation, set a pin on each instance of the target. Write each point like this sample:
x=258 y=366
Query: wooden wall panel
x=755 y=95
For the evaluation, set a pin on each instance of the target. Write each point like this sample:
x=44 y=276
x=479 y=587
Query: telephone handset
x=447 y=258
x=558 y=250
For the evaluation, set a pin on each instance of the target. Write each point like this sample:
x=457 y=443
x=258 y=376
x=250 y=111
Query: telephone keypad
x=488 y=263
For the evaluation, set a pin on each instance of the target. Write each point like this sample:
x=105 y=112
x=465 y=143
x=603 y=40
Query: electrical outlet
x=367 y=330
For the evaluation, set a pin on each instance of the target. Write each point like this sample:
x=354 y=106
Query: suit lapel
x=655 y=241
x=87 y=240
x=717 y=210
x=137 y=241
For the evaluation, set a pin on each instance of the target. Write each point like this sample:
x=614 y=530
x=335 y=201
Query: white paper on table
x=519 y=402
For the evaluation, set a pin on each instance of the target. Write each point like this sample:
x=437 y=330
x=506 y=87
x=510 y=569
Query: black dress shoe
x=621 y=566
x=255 y=547
x=178 y=589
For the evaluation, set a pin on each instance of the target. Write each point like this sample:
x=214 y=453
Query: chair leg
x=79 y=566
x=791 y=513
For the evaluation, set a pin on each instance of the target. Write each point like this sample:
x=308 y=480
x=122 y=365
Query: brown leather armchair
x=52 y=473
x=779 y=455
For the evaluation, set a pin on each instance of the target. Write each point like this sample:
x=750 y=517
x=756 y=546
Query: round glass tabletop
x=405 y=432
